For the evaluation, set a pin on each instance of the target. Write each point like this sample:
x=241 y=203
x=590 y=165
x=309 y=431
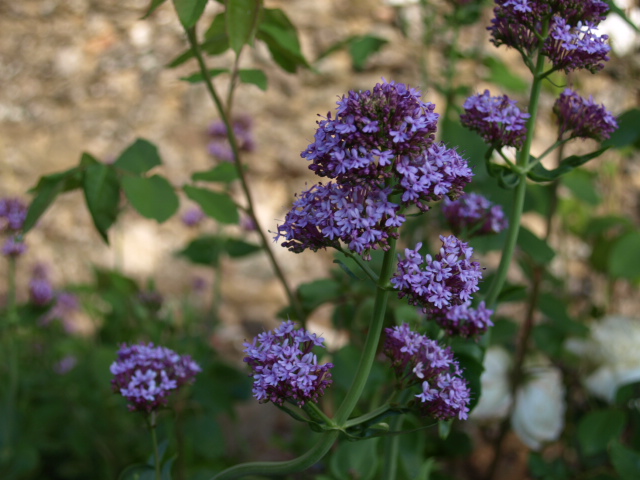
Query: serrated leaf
x=362 y=47
x=241 y=20
x=540 y=174
x=597 y=428
x=102 y=194
x=140 y=157
x=253 y=76
x=537 y=248
x=225 y=173
x=47 y=189
x=189 y=11
x=198 y=77
x=216 y=205
x=152 y=197
x=624 y=259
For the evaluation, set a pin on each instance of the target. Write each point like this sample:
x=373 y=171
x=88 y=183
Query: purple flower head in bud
x=40 y=287
x=284 y=368
x=440 y=282
x=473 y=214
x=193 y=217
x=497 y=119
x=146 y=375
x=583 y=118
x=463 y=320
x=13 y=213
x=219 y=146
x=418 y=360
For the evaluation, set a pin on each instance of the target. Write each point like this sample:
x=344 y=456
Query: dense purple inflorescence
x=497 y=119
x=416 y=359
x=146 y=375
x=284 y=366
x=440 y=282
x=583 y=118
x=463 y=320
x=473 y=214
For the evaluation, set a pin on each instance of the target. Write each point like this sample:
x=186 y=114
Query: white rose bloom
x=615 y=347
x=538 y=415
x=495 y=399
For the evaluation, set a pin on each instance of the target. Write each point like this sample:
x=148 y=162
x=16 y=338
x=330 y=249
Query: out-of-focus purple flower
x=199 y=284
x=219 y=146
x=65 y=365
x=193 y=217
x=574 y=47
x=146 y=375
x=474 y=214
x=435 y=283
x=583 y=118
x=247 y=223
x=497 y=119
x=13 y=213
x=65 y=309
x=14 y=246
x=416 y=359
x=152 y=299
x=362 y=216
x=284 y=366
x=40 y=287
x=463 y=320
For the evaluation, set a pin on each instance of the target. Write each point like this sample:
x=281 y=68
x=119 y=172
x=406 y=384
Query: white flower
x=495 y=399
x=538 y=415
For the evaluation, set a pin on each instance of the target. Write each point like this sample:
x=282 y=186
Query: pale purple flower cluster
x=416 y=359
x=13 y=213
x=146 y=375
x=193 y=217
x=219 y=145
x=40 y=288
x=284 y=366
x=497 y=119
x=438 y=283
x=380 y=143
x=360 y=216
x=473 y=214
x=571 y=43
x=463 y=320
x=583 y=118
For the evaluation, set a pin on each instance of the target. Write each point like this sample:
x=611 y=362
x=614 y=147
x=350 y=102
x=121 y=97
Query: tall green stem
x=191 y=35
x=12 y=354
x=520 y=191
x=154 y=441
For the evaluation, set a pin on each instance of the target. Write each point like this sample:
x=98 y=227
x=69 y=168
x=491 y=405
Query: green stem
x=391 y=450
x=362 y=264
x=520 y=191
x=193 y=41
x=154 y=440
x=12 y=352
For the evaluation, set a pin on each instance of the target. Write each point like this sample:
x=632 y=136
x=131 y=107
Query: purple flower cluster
x=40 y=288
x=497 y=119
x=463 y=320
x=284 y=366
x=583 y=118
x=474 y=214
x=13 y=213
x=571 y=44
x=380 y=143
x=416 y=359
x=438 y=283
x=193 y=217
x=146 y=375
x=219 y=145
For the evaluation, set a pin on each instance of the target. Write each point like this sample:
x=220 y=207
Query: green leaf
x=216 y=205
x=314 y=294
x=204 y=250
x=501 y=74
x=239 y=248
x=537 y=248
x=241 y=19
x=540 y=174
x=597 y=428
x=624 y=258
x=628 y=132
x=355 y=460
x=580 y=182
x=139 y=158
x=253 y=76
x=281 y=37
x=362 y=47
x=152 y=197
x=152 y=6
x=625 y=461
x=225 y=173
x=102 y=194
x=216 y=40
x=198 y=77
x=138 y=472
x=46 y=191
x=189 y=11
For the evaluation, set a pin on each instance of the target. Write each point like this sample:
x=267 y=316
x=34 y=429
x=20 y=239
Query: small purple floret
x=473 y=214
x=583 y=118
x=146 y=375
x=284 y=366
x=463 y=320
